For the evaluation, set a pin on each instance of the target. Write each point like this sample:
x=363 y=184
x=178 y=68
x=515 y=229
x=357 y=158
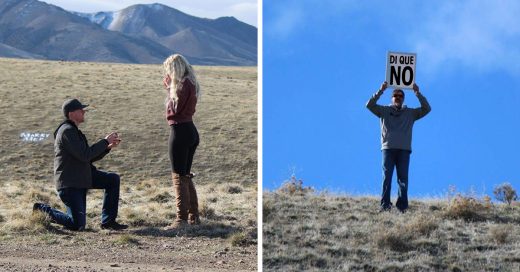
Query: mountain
x=11 y=52
x=137 y=34
x=225 y=39
x=47 y=30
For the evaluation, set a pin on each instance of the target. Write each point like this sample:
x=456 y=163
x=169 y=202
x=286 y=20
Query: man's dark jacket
x=73 y=157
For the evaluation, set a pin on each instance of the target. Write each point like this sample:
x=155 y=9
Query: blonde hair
x=179 y=69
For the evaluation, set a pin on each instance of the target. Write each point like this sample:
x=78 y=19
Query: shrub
x=241 y=239
x=231 y=189
x=294 y=187
x=36 y=195
x=126 y=239
x=395 y=239
x=465 y=207
x=487 y=202
x=162 y=197
x=268 y=209
x=500 y=233
x=135 y=218
x=206 y=211
x=37 y=222
x=422 y=225
x=505 y=193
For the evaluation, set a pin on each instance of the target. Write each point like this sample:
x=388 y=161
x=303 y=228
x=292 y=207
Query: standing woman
x=183 y=92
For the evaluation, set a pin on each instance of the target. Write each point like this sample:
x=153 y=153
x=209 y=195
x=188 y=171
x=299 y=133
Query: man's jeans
x=76 y=202
x=400 y=159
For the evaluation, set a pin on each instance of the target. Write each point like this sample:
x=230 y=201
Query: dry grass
x=34 y=223
x=327 y=232
x=467 y=208
x=126 y=239
x=129 y=99
x=500 y=233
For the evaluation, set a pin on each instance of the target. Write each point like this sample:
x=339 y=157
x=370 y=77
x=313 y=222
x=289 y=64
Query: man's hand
x=113 y=140
x=416 y=89
x=110 y=146
x=166 y=81
x=383 y=86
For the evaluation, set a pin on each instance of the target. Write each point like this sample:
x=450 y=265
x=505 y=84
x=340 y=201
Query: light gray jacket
x=396 y=125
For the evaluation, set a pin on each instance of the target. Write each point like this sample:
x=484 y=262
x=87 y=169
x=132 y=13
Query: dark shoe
x=37 y=207
x=80 y=228
x=114 y=226
x=385 y=209
x=403 y=210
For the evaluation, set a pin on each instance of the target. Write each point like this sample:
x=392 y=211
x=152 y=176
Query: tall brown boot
x=182 y=201
x=193 y=212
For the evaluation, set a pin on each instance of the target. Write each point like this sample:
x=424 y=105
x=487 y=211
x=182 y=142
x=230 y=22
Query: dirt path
x=121 y=251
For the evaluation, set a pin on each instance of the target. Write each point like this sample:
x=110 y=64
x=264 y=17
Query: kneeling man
x=74 y=172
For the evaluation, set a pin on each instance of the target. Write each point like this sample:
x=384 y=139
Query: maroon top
x=183 y=110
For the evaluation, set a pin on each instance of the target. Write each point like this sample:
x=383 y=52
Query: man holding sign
x=396 y=140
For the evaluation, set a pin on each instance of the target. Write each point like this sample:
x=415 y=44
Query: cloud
x=285 y=18
x=284 y=24
x=478 y=35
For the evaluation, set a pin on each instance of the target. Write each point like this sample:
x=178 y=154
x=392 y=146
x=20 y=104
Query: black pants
x=183 y=141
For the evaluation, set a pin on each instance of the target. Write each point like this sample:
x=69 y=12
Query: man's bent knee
x=115 y=180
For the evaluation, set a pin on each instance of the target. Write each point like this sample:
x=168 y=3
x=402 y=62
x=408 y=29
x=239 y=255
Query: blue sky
x=323 y=59
x=243 y=10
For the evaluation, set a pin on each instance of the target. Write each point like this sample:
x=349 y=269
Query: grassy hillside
x=303 y=230
x=130 y=99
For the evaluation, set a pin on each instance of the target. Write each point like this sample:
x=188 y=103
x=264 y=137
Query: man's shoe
x=37 y=207
x=385 y=209
x=40 y=207
x=113 y=226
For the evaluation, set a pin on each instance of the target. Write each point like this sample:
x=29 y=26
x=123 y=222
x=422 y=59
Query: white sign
x=400 y=70
x=33 y=136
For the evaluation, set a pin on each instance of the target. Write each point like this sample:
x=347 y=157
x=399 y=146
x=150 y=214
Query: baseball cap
x=72 y=105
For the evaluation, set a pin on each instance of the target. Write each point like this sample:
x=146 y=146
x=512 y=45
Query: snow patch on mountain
x=115 y=18
x=155 y=6
x=102 y=18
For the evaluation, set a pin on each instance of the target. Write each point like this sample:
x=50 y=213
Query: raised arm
x=372 y=102
x=73 y=143
x=425 y=106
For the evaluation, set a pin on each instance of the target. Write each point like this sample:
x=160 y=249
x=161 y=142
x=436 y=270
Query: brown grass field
x=309 y=231
x=128 y=99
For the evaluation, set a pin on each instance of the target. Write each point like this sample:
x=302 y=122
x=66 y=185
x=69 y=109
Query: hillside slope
x=341 y=233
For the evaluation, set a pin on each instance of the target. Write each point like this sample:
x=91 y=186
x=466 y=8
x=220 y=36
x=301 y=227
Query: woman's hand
x=166 y=81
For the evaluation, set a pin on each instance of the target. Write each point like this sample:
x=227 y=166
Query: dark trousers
x=183 y=141
x=400 y=159
x=75 y=201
